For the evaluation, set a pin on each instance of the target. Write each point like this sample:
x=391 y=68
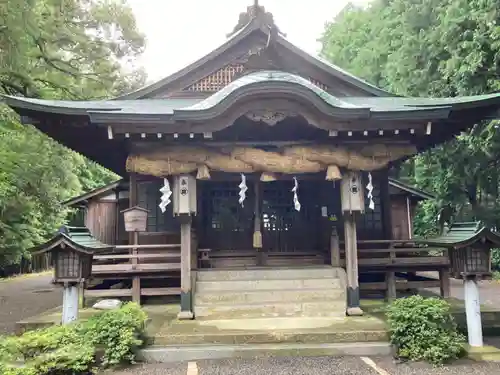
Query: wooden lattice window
x=218 y=80
x=223 y=77
x=149 y=197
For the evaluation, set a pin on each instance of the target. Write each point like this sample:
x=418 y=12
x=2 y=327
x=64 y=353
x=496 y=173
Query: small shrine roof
x=464 y=234
x=76 y=238
x=409 y=189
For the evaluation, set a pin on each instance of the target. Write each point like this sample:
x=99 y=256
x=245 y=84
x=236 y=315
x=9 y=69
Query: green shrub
x=76 y=348
x=423 y=329
x=117 y=333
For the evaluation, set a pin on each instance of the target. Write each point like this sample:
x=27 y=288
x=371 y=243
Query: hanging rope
x=165 y=197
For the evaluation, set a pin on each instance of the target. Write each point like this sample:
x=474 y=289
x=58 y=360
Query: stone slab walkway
x=25 y=296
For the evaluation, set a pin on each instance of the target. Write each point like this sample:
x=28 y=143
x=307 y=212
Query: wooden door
x=285 y=229
x=225 y=224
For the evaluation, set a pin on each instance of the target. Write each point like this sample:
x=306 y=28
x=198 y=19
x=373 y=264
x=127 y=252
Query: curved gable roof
x=255 y=26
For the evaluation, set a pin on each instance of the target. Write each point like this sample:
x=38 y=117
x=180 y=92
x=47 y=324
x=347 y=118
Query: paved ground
x=313 y=366
x=26 y=296
x=489 y=291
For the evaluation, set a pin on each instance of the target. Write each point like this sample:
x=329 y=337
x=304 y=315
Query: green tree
x=62 y=49
x=432 y=48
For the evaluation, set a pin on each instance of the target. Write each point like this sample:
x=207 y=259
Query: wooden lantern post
x=71 y=268
x=135 y=219
x=472 y=263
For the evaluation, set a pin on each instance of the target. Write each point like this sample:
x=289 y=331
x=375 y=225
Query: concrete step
x=269 y=274
x=249 y=296
x=177 y=353
x=277 y=284
x=276 y=309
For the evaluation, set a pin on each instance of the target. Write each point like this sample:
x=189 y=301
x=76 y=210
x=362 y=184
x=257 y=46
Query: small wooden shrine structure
x=263 y=139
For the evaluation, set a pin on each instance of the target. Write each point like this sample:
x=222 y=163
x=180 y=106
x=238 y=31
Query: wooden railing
x=396 y=256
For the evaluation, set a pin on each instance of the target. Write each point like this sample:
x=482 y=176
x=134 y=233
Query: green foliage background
x=55 y=49
x=432 y=48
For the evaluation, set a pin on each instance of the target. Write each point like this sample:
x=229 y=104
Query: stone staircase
x=270 y=293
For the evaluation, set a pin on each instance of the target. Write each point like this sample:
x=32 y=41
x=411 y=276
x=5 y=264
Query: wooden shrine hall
x=267 y=158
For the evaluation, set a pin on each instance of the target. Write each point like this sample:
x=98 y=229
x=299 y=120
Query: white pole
x=473 y=313
x=70 y=303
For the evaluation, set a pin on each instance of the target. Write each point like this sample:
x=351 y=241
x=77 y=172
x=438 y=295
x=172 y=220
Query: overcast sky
x=179 y=32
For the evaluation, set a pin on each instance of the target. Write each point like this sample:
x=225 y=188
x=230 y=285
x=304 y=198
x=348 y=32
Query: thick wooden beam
x=186 y=312
x=353 y=306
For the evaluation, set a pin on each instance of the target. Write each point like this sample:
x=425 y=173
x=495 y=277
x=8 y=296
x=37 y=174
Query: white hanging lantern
x=165 y=197
x=295 y=189
x=243 y=189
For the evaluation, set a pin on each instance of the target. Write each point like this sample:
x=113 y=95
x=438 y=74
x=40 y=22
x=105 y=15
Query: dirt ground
x=25 y=296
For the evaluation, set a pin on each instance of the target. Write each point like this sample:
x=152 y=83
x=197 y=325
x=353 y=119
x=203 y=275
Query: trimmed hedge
x=105 y=340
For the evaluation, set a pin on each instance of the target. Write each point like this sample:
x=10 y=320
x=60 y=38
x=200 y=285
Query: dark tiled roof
x=182 y=109
x=77 y=238
x=465 y=234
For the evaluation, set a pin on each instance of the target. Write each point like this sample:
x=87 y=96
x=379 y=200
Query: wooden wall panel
x=399 y=215
x=101 y=220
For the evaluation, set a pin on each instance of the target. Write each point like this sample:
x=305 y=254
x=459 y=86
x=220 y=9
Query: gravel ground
x=262 y=366
x=26 y=296
x=462 y=367
x=282 y=366
x=153 y=369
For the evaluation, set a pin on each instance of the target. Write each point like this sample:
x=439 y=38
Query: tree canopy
x=432 y=48
x=62 y=49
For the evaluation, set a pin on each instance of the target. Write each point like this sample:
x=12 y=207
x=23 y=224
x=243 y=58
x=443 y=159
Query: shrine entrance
x=288 y=236
x=284 y=229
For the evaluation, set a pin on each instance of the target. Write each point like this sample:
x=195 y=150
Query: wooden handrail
x=155 y=246
x=138 y=256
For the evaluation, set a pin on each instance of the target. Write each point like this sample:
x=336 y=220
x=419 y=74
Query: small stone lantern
x=135 y=219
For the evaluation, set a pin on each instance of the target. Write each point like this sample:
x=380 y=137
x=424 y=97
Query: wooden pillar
x=351 y=255
x=186 y=280
x=444 y=283
x=134 y=240
x=334 y=248
x=257 y=224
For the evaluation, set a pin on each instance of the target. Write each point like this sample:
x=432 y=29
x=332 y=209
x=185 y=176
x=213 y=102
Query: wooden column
x=257 y=224
x=134 y=240
x=186 y=280
x=334 y=248
x=351 y=255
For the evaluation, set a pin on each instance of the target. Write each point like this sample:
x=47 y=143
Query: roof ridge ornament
x=256 y=13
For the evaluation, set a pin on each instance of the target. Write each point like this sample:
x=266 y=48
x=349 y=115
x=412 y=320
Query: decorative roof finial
x=255 y=11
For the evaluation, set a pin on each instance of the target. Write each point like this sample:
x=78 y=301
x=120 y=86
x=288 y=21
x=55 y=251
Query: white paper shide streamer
x=295 y=189
x=369 y=187
x=243 y=189
x=166 y=193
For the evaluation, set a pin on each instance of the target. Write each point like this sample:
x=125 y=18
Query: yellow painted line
x=192 y=368
x=374 y=366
